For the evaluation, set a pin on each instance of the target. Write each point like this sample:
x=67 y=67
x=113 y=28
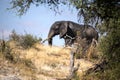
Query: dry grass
x=50 y=61
x=94 y=54
x=46 y=62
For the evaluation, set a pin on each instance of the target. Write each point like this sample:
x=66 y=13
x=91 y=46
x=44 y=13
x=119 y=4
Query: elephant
x=69 y=31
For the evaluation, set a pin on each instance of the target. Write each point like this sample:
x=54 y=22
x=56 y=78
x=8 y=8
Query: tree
x=23 y=5
x=92 y=11
x=103 y=14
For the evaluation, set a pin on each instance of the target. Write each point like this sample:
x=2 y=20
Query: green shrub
x=14 y=36
x=110 y=47
x=26 y=40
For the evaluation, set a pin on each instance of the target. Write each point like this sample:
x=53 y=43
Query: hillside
x=39 y=62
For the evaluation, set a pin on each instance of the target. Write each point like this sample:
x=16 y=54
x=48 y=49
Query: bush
x=14 y=36
x=26 y=41
x=110 y=47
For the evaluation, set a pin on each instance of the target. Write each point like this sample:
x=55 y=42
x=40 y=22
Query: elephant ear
x=63 y=29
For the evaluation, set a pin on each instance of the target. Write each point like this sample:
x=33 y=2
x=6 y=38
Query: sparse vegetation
x=10 y=51
x=26 y=41
x=14 y=36
x=38 y=59
x=53 y=62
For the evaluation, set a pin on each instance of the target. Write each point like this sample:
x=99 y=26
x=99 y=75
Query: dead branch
x=98 y=67
x=73 y=69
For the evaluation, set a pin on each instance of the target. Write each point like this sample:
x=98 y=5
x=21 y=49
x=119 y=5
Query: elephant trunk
x=50 y=36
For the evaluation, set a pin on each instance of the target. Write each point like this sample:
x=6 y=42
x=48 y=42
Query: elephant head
x=58 y=28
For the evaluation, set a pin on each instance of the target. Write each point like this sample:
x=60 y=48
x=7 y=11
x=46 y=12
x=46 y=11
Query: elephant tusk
x=69 y=37
x=45 y=40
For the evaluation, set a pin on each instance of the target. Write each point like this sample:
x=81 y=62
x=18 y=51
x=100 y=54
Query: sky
x=37 y=21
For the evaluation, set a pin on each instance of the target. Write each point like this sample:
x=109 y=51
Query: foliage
x=26 y=41
x=109 y=46
x=14 y=36
x=97 y=10
x=22 y=6
x=90 y=10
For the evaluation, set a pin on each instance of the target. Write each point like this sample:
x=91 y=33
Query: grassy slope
x=43 y=62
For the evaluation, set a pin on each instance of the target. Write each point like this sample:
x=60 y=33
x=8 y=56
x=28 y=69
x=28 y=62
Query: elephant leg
x=85 y=45
x=50 y=41
x=68 y=42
